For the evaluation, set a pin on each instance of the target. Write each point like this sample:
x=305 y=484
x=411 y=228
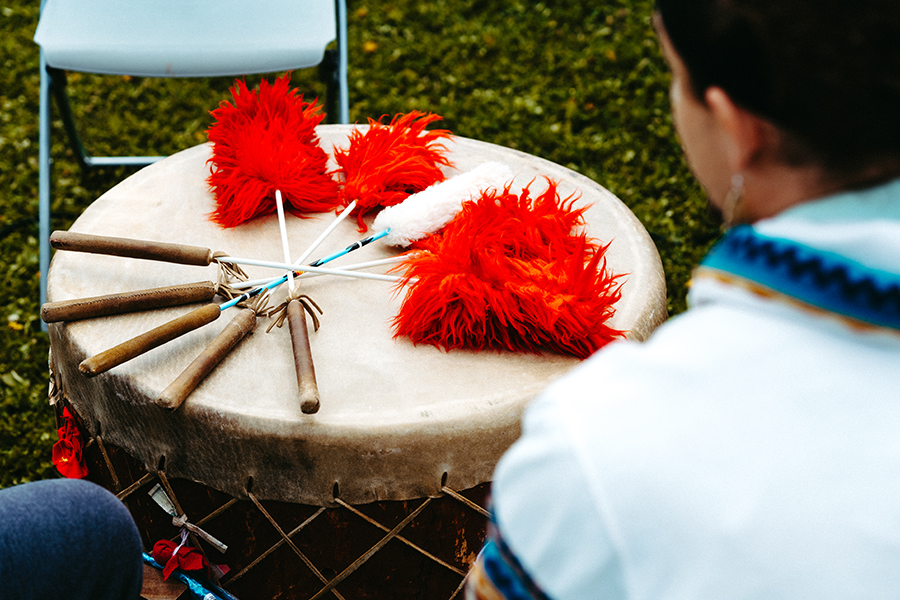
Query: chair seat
x=185 y=38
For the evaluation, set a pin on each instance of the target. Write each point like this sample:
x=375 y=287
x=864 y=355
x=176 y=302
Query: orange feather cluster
x=511 y=273
x=266 y=141
x=387 y=163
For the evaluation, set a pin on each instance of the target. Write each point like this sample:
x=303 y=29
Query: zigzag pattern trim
x=821 y=278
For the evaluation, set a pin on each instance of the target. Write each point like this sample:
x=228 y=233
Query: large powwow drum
x=379 y=494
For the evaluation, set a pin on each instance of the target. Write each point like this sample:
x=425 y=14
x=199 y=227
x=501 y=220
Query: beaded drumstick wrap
x=816 y=278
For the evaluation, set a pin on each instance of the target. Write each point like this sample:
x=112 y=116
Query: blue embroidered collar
x=819 y=278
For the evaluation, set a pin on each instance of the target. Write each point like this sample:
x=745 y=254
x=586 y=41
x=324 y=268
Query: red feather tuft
x=511 y=273
x=387 y=163
x=267 y=141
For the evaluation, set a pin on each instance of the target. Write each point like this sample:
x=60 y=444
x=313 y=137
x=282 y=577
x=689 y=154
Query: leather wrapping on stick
x=236 y=330
x=131 y=248
x=126 y=302
x=136 y=346
x=303 y=363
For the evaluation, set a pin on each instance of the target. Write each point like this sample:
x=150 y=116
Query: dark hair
x=825 y=72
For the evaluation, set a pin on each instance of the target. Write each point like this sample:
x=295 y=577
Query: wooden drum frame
x=382 y=493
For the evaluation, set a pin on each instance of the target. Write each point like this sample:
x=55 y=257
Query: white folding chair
x=178 y=38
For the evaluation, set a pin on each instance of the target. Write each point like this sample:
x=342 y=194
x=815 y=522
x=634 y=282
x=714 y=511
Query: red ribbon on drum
x=186 y=558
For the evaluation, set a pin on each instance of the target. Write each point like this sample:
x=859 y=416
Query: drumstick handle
x=236 y=330
x=306 y=372
x=106 y=360
x=125 y=302
x=130 y=248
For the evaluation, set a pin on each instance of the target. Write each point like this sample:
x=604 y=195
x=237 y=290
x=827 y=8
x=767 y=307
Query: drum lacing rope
x=277 y=545
x=477 y=508
x=286 y=537
x=466 y=501
x=291 y=543
x=147 y=478
x=194 y=540
x=58 y=397
x=422 y=551
x=279 y=313
x=109 y=465
x=150 y=477
x=392 y=533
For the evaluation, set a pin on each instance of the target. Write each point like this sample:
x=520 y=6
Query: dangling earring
x=732 y=200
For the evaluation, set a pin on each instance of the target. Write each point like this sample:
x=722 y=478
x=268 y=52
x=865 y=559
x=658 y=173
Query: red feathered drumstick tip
x=266 y=141
x=386 y=163
x=511 y=273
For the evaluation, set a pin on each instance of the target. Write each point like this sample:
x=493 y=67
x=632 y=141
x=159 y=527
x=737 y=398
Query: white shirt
x=749 y=449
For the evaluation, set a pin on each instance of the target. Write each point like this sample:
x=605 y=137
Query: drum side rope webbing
x=135 y=486
x=194 y=540
x=286 y=537
x=371 y=552
x=466 y=501
x=400 y=537
x=391 y=534
x=291 y=543
x=330 y=585
x=217 y=512
x=277 y=545
x=115 y=477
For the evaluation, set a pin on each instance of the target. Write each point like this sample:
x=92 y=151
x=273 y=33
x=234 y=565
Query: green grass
x=581 y=84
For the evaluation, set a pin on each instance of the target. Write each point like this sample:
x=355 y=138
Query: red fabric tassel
x=67 y=453
x=387 y=163
x=511 y=273
x=266 y=141
x=188 y=559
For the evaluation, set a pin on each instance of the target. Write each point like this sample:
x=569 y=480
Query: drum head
x=396 y=419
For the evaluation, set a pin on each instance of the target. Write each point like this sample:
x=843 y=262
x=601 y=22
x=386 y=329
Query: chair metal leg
x=343 y=95
x=328 y=72
x=44 y=183
x=58 y=82
x=58 y=88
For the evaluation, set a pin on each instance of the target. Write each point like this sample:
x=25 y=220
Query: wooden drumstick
x=130 y=248
x=134 y=347
x=237 y=329
x=125 y=302
x=296 y=315
x=303 y=363
x=106 y=360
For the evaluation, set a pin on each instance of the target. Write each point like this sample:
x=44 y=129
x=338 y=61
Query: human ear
x=744 y=133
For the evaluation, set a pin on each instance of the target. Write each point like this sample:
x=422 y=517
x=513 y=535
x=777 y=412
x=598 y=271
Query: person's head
x=813 y=86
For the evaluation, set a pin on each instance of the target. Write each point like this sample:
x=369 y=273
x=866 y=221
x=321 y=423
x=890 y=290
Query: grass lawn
x=581 y=84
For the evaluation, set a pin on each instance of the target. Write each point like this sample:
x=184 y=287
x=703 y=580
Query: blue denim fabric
x=67 y=538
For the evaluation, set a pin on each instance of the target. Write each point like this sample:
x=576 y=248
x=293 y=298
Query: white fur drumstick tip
x=425 y=212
